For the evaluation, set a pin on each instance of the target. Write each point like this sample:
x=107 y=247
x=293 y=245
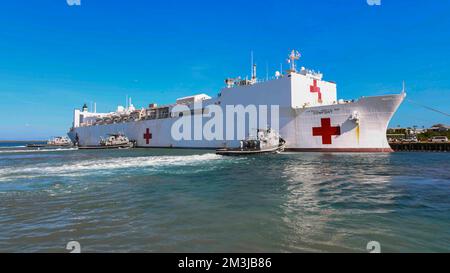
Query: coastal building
x=439 y=128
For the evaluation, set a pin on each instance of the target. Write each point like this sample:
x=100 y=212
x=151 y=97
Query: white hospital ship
x=310 y=116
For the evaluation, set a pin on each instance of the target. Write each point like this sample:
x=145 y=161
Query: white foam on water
x=37 y=150
x=86 y=167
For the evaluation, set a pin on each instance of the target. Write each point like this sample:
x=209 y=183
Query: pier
x=420 y=146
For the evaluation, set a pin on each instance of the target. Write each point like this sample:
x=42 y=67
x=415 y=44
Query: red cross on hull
x=326 y=131
x=316 y=89
x=147 y=136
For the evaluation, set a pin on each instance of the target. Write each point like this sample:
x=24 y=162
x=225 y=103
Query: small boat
x=59 y=141
x=113 y=141
x=266 y=142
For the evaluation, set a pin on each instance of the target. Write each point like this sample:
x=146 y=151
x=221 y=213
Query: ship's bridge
x=299 y=89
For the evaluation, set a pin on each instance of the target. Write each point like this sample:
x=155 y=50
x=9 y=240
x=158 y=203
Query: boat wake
x=146 y=164
x=7 y=150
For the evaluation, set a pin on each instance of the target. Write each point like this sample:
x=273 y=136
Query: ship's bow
x=358 y=126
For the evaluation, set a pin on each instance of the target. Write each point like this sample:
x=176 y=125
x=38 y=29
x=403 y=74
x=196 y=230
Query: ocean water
x=170 y=200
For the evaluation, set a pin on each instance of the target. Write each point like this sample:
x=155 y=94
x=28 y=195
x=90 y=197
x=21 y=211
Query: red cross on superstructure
x=147 y=136
x=326 y=130
x=316 y=89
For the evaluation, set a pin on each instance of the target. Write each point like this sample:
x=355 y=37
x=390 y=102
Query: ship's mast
x=294 y=56
x=251 y=63
x=253 y=79
x=253 y=68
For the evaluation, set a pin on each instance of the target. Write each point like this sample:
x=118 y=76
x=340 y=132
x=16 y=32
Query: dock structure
x=420 y=146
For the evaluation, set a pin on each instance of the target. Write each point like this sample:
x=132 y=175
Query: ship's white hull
x=323 y=128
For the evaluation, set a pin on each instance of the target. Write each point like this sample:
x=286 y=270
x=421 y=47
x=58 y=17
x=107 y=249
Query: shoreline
x=421 y=146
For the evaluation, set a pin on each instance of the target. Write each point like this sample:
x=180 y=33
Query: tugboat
x=266 y=142
x=113 y=141
x=59 y=141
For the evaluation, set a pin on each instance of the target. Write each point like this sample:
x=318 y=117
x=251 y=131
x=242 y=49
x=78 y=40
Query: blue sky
x=54 y=57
